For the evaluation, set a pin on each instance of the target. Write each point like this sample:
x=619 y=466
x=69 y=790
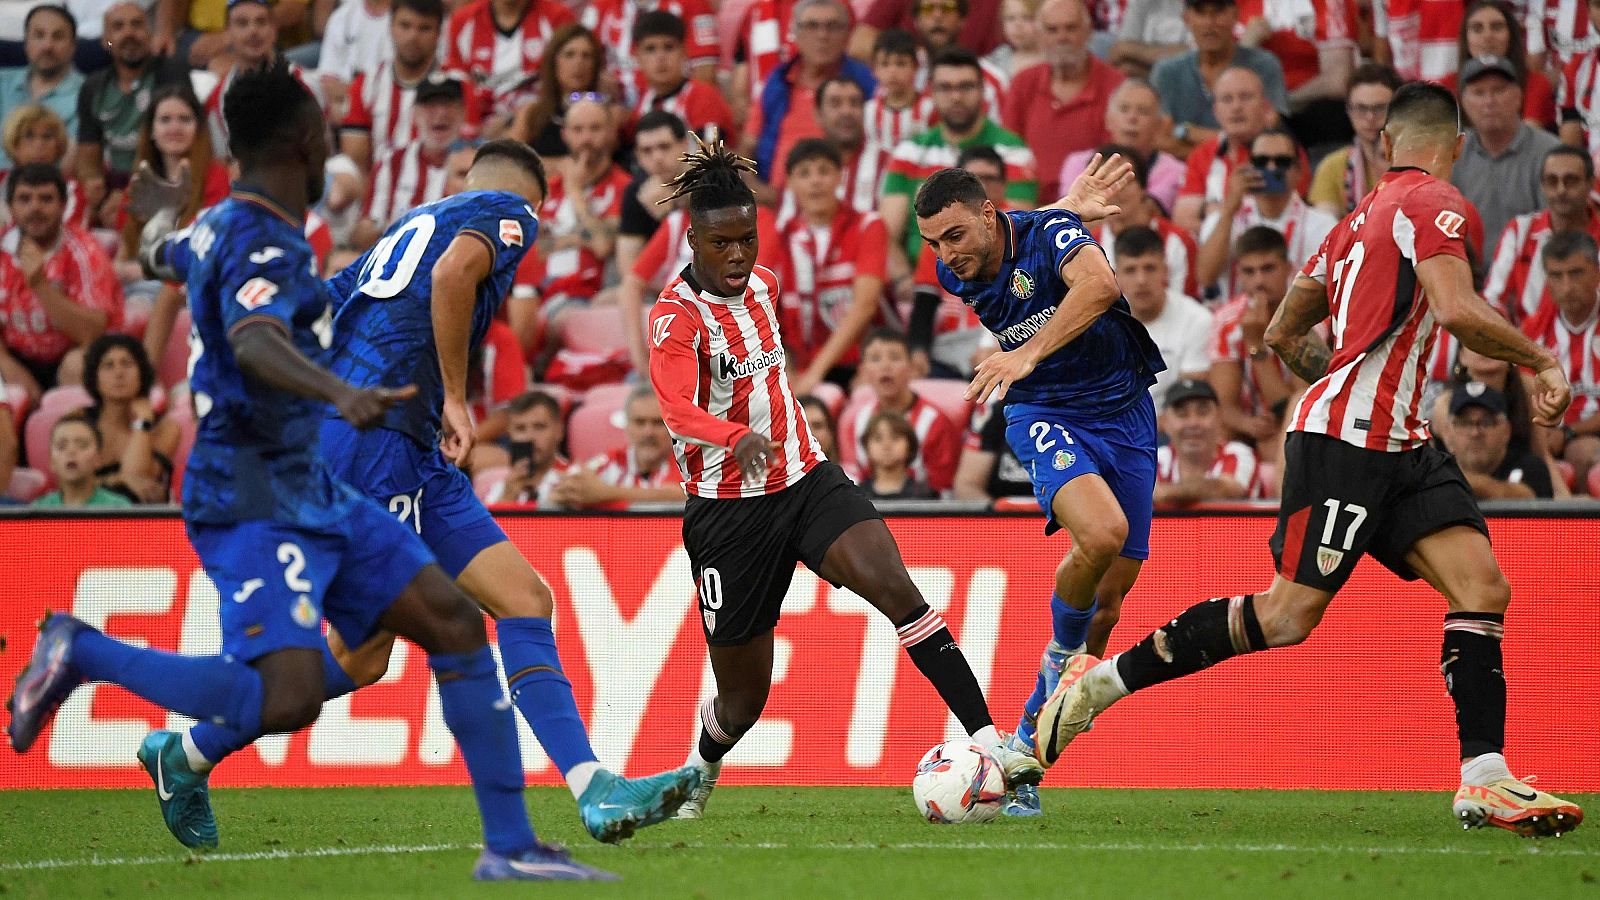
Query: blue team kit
x=1086 y=408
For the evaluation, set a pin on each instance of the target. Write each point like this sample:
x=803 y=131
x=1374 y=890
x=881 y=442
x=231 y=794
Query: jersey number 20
x=395 y=259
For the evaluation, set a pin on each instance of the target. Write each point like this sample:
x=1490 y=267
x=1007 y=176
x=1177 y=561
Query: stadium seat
x=485 y=481
x=595 y=330
x=55 y=403
x=949 y=394
x=596 y=426
x=1568 y=473
x=830 y=394
x=173 y=366
x=1594 y=481
x=27 y=485
x=16 y=397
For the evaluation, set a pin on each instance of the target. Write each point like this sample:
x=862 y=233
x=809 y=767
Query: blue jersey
x=255 y=455
x=383 y=319
x=1102 y=371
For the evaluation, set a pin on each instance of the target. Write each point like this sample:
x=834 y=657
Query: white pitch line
x=388 y=850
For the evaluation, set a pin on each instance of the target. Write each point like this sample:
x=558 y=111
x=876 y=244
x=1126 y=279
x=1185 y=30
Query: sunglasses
x=1271 y=162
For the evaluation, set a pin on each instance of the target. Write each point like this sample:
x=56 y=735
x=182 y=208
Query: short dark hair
x=945 y=187
x=895 y=42
x=34 y=175
x=529 y=400
x=886 y=336
x=1277 y=131
x=808 y=149
x=898 y=425
x=1375 y=73
x=96 y=354
x=958 y=57
x=1139 y=241
x=981 y=153
x=79 y=417
x=1576 y=153
x=518 y=154
x=1567 y=244
x=660 y=118
x=267 y=111
x=1261 y=239
x=812 y=401
x=657 y=23
x=840 y=80
x=62 y=11
x=1141 y=171
x=430 y=9
x=1425 y=104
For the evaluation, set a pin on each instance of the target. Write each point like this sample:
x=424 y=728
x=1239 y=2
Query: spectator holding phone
x=536 y=431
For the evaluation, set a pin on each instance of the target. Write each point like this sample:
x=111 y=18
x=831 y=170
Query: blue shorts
x=277 y=581
x=420 y=487
x=1055 y=448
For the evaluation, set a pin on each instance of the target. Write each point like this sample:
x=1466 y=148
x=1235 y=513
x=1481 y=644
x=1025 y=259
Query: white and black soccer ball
x=958 y=782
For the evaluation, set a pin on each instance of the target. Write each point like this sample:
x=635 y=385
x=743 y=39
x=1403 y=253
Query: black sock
x=1475 y=677
x=714 y=742
x=1199 y=638
x=931 y=646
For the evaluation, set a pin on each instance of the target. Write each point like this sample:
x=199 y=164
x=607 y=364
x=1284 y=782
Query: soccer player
x=409 y=312
x=1360 y=475
x=286 y=543
x=762 y=497
x=1075 y=369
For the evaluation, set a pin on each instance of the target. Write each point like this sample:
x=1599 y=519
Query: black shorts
x=1341 y=501
x=743 y=551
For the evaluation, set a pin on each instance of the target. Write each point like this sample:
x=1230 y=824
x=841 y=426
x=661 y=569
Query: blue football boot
x=183 y=793
x=614 y=807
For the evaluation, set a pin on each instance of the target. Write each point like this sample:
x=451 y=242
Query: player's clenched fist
x=365 y=407
x=1551 y=396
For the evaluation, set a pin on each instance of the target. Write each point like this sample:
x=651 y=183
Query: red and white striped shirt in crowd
x=80 y=267
x=996 y=81
x=1180 y=251
x=1372 y=394
x=403 y=181
x=576 y=272
x=1515 y=285
x=620 y=468
x=1108 y=14
x=820 y=267
x=1235 y=461
x=717 y=365
x=887 y=126
x=768 y=40
x=939 y=441
x=1560 y=29
x=1213 y=161
x=1423 y=35
x=1302 y=30
x=538 y=495
x=698 y=104
x=494 y=61
x=613 y=21
x=213 y=105
x=1578 y=97
x=667 y=251
x=1227 y=345
x=1578 y=349
x=1302 y=225
x=380 y=104
x=860 y=187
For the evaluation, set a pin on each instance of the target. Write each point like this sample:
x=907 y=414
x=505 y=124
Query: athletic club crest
x=1021 y=284
x=711 y=620
x=1064 y=458
x=1328 y=559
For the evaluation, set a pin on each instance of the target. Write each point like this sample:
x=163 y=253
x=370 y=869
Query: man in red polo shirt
x=1059 y=105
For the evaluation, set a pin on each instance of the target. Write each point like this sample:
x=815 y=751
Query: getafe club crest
x=1328 y=559
x=1021 y=284
x=1064 y=458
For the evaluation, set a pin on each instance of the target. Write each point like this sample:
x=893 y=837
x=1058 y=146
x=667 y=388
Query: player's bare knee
x=1487 y=591
x=1100 y=544
x=284 y=711
x=739 y=713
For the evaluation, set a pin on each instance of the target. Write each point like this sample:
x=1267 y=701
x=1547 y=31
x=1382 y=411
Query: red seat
x=594 y=330
x=1568 y=473
x=596 y=427
x=55 y=403
x=949 y=395
x=1594 y=481
x=27 y=485
x=173 y=366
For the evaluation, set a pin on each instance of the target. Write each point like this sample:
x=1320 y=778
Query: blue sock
x=475 y=709
x=540 y=690
x=208 y=688
x=1071 y=625
x=216 y=742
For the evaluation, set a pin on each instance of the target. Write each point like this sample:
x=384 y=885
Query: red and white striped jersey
x=1578 y=96
x=1560 y=28
x=1422 y=35
x=403 y=181
x=1227 y=345
x=1301 y=31
x=768 y=40
x=1302 y=225
x=1235 y=460
x=860 y=187
x=667 y=251
x=1515 y=285
x=1578 y=349
x=820 y=266
x=213 y=105
x=380 y=104
x=620 y=468
x=1180 y=252
x=887 y=126
x=939 y=441
x=698 y=104
x=613 y=21
x=495 y=61
x=1383 y=326
x=577 y=271
x=717 y=365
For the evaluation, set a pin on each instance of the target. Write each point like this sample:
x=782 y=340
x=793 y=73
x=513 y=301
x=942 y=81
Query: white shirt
x=1183 y=334
x=1302 y=225
x=354 y=41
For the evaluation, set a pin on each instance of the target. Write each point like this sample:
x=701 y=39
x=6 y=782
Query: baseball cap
x=1189 y=389
x=1193 y=3
x=1476 y=393
x=440 y=87
x=1484 y=65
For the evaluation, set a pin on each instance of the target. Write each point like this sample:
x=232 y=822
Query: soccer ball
x=958 y=782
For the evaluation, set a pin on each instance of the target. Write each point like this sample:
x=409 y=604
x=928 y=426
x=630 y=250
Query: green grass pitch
x=815 y=843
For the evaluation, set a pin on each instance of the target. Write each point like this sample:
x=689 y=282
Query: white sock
x=579 y=776
x=1108 y=681
x=1481 y=770
x=987 y=736
x=197 y=760
x=695 y=759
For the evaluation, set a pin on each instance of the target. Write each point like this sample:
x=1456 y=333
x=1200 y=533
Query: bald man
x=1059 y=105
x=579 y=220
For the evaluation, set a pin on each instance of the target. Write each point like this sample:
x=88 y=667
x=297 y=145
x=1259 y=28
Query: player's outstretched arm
x=1290 y=333
x=1447 y=281
x=1091 y=192
x=264 y=352
x=456 y=276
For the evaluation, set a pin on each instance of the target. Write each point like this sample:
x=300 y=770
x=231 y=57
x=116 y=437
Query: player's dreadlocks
x=711 y=178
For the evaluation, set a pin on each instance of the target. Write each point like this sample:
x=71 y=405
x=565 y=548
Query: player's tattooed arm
x=1290 y=333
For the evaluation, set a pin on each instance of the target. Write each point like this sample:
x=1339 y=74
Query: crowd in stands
x=1253 y=127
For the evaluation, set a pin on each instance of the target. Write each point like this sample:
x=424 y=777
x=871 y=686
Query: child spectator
x=74 y=453
x=886 y=369
x=137 y=446
x=891 y=445
x=640 y=472
x=658 y=48
x=1021 y=30
x=898 y=111
x=1199 y=463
